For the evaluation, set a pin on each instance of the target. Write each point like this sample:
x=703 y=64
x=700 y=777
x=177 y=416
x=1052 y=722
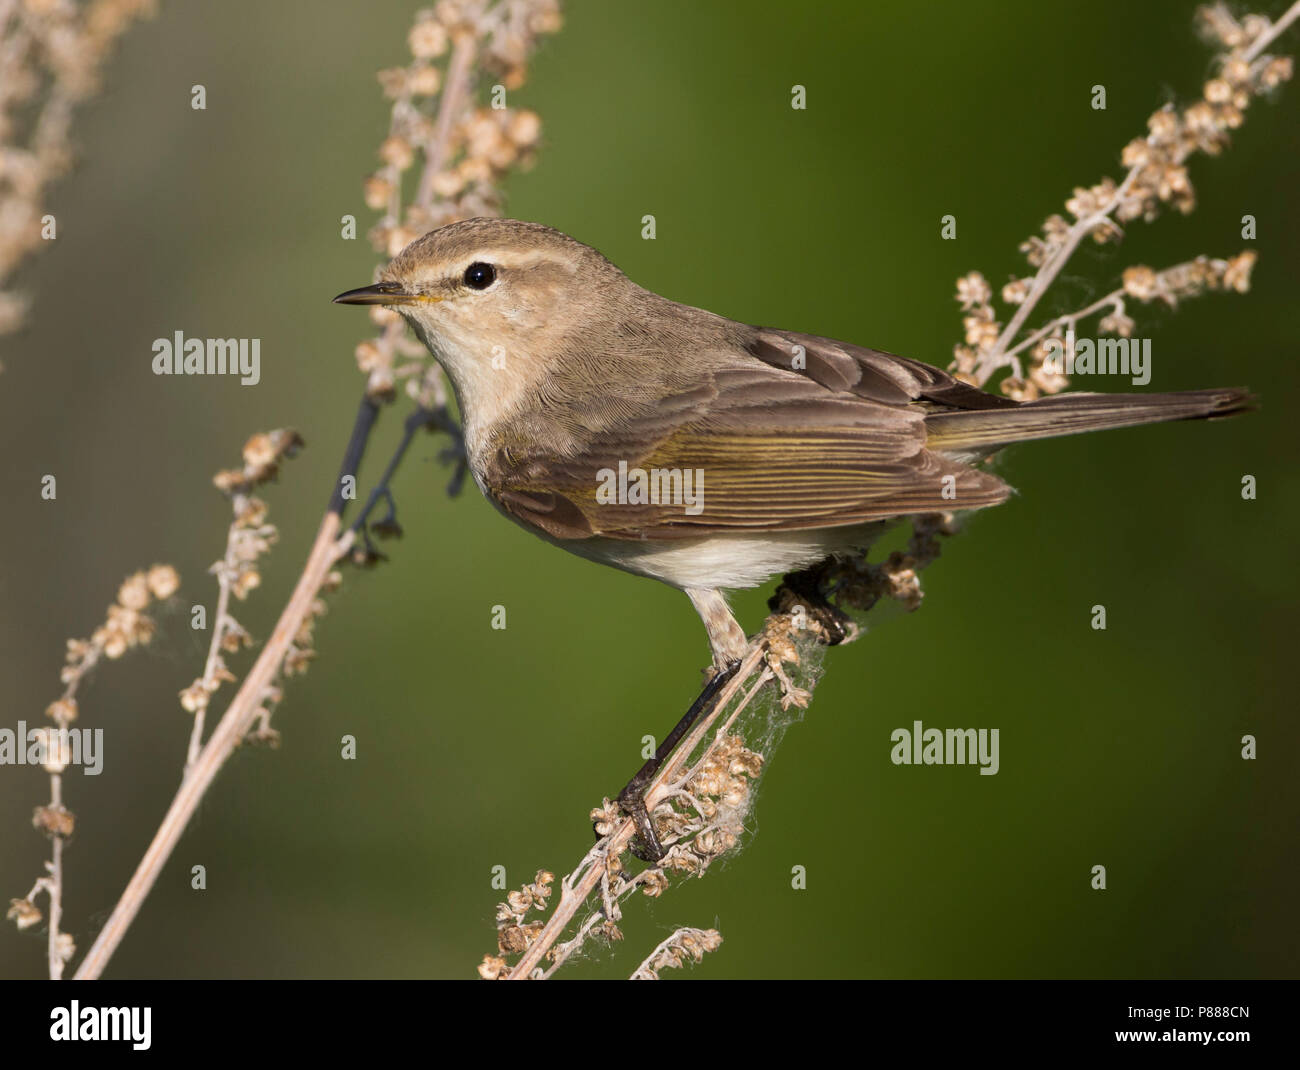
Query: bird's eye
x=479 y=276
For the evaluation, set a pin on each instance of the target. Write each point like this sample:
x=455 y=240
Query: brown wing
x=769 y=445
x=871 y=374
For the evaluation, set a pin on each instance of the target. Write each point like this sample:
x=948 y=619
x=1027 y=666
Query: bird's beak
x=381 y=293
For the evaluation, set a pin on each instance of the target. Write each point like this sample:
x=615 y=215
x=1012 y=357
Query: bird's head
x=499 y=302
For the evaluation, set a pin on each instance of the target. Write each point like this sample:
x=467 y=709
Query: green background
x=480 y=748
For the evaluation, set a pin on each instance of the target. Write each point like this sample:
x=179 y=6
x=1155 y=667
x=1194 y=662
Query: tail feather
x=983 y=431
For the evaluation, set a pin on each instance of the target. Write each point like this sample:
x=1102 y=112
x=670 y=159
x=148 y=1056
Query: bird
x=709 y=454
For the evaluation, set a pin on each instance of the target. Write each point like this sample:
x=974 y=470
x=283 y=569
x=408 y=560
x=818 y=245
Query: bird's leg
x=804 y=588
x=726 y=636
x=727 y=639
x=631 y=799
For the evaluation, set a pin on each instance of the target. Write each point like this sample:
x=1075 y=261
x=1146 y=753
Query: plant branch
x=576 y=888
x=233 y=726
x=992 y=359
x=1273 y=32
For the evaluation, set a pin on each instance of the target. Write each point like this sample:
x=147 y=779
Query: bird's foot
x=645 y=845
x=800 y=593
x=631 y=800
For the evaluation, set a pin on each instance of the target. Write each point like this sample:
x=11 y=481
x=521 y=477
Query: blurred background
x=479 y=747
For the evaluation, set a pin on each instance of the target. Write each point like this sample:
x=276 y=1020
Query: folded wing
x=796 y=432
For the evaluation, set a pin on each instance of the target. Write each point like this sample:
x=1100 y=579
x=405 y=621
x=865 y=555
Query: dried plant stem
x=455 y=93
x=1273 y=32
x=577 y=887
x=247 y=712
x=125 y=628
x=233 y=726
x=991 y=360
x=52 y=883
x=674 y=950
x=54 y=887
x=225 y=571
x=1156 y=178
x=51 y=59
x=1114 y=300
x=601 y=855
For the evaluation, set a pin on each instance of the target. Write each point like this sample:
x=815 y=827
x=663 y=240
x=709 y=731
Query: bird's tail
x=983 y=431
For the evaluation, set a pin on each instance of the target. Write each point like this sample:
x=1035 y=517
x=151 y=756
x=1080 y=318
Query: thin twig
x=231 y=729
x=578 y=886
x=1047 y=273
x=454 y=96
x=673 y=951
x=1272 y=33
x=225 y=572
x=54 y=887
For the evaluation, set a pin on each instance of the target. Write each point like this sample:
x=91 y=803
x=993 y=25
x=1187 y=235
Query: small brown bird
x=670 y=442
